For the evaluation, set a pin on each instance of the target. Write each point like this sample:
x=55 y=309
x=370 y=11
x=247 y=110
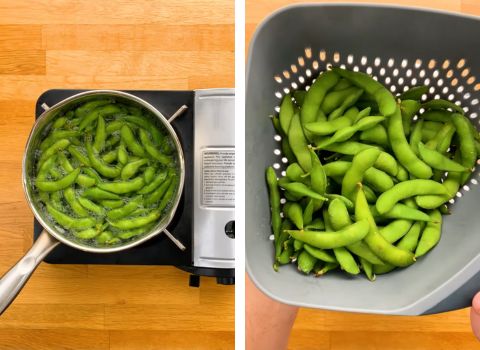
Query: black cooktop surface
x=158 y=250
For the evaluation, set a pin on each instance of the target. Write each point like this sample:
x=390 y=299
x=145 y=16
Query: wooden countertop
x=327 y=330
x=119 y=44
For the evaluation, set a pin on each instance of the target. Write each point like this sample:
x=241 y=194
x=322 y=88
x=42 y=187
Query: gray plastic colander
x=401 y=47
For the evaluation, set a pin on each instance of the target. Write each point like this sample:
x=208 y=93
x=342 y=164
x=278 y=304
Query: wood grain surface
x=151 y=44
x=327 y=330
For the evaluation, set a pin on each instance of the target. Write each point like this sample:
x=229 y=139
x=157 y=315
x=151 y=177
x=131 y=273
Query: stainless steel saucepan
x=14 y=280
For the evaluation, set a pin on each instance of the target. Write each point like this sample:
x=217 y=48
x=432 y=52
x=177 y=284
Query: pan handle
x=13 y=281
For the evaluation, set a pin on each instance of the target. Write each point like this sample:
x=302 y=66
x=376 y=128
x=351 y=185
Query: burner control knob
x=230 y=229
x=226 y=280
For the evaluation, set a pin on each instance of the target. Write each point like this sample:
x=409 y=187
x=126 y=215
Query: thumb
x=475 y=315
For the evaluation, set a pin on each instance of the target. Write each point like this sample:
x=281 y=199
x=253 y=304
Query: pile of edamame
x=105 y=172
x=369 y=174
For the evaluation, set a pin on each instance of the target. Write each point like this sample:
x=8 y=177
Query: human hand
x=475 y=315
x=268 y=322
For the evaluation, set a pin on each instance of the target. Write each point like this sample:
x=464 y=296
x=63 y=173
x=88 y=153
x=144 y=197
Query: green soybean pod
x=402 y=150
x=286 y=113
x=340 y=218
x=130 y=142
x=79 y=155
x=299 y=96
x=99 y=165
x=443 y=138
x=414 y=93
x=85 y=108
x=314 y=97
x=93 y=115
x=158 y=193
x=297 y=245
x=322 y=270
x=98 y=194
x=360 y=163
x=362 y=114
x=410 y=240
x=384 y=250
x=402 y=174
x=327 y=127
x=341 y=85
x=295 y=173
x=346 y=133
x=320 y=254
x=287 y=151
x=334 y=99
x=298 y=143
x=328 y=240
x=437 y=116
x=395 y=230
x=308 y=212
x=347 y=103
x=104 y=237
x=430 y=235
x=112 y=141
x=284 y=257
x=149 y=174
x=442 y=104
x=351 y=114
x=316 y=224
x=125 y=210
x=89 y=205
x=69 y=194
x=131 y=168
x=156 y=182
x=408 y=109
x=112 y=203
x=135 y=222
x=122 y=187
x=293 y=211
x=282 y=238
x=306 y=262
x=387 y=200
x=135 y=232
x=451 y=184
x=438 y=161
x=369 y=194
x=467 y=148
x=383 y=97
x=89 y=233
x=152 y=150
x=402 y=211
x=146 y=124
x=368 y=269
x=318 y=178
x=100 y=135
x=383 y=269
x=53 y=149
x=70 y=222
x=85 y=181
x=299 y=189
x=110 y=157
x=168 y=195
x=64 y=182
x=335 y=210
x=377 y=135
x=416 y=136
x=43 y=170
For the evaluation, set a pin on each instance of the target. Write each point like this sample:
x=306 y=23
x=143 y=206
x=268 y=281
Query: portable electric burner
x=204 y=220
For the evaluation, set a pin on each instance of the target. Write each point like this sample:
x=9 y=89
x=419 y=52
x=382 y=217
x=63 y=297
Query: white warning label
x=218 y=177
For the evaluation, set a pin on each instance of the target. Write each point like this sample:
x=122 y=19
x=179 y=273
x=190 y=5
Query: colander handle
x=13 y=281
